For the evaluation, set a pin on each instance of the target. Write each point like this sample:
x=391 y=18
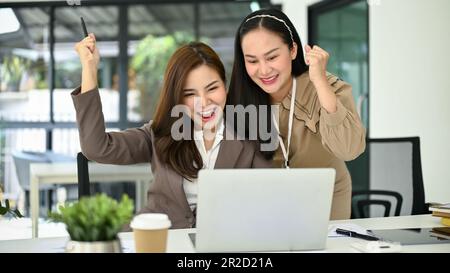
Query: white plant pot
x=94 y=247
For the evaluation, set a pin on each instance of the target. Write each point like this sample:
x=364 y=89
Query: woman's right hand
x=89 y=57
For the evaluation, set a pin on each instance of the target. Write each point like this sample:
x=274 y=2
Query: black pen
x=84 y=27
x=350 y=233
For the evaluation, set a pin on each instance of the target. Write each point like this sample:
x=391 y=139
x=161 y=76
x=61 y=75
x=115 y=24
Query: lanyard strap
x=291 y=119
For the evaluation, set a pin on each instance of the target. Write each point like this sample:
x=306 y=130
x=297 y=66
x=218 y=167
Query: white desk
x=66 y=173
x=179 y=241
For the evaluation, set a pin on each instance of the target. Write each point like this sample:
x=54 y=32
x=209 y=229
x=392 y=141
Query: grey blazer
x=166 y=193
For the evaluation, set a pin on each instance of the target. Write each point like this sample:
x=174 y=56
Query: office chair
x=83 y=176
x=86 y=188
x=22 y=161
x=364 y=203
x=394 y=177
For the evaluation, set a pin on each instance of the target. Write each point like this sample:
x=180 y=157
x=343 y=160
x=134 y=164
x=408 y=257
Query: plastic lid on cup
x=150 y=221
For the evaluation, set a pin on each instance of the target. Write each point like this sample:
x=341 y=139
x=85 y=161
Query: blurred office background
x=393 y=52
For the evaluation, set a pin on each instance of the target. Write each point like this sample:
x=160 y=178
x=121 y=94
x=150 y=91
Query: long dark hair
x=243 y=90
x=181 y=155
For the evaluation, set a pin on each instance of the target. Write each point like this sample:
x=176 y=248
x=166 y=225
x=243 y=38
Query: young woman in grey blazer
x=194 y=79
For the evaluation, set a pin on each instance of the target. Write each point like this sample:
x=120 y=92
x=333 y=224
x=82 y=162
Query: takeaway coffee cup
x=150 y=232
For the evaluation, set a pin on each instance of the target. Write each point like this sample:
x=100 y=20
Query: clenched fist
x=88 y=51
x=317 y=59
x=89 y=57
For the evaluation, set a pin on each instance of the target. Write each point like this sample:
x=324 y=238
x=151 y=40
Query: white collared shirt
x=209 y=161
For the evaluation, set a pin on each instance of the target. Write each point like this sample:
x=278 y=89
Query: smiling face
x=205 y=95
x=268 y=61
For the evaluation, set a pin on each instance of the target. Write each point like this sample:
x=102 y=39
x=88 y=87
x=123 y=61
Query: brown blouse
x=321 y=139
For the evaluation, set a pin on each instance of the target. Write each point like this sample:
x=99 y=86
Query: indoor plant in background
x=94 y=222
x=149 y=62
x=5 y=210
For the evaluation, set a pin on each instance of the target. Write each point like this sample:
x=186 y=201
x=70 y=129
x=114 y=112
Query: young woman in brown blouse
x=318 y=123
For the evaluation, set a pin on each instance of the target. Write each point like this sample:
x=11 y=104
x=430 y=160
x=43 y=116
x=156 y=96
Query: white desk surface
x=179 y=241
x=66 y=173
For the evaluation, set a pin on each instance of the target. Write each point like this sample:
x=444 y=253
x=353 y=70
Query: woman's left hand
x=317 y=58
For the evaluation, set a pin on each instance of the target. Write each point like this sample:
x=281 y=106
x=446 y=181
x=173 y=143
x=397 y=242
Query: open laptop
x=263 y=209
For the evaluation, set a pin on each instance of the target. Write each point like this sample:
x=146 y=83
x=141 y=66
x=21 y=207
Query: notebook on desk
x=263 y=209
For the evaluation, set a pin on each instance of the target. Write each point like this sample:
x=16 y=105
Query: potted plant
x=94 y=222
x=12 y=71
x=149 y=62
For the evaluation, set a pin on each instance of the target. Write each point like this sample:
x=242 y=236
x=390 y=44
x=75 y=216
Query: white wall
x=409 y=78
x=410 y=82
x=297 y=11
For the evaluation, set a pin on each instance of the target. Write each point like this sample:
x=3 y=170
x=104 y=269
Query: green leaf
x=17 y=213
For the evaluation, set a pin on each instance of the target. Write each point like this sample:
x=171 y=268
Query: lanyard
x=291 y=119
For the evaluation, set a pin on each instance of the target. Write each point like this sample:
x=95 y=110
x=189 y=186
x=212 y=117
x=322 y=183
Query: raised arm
x=342 y=131
x=127 y=147
x=340 y=126
x=89 y=57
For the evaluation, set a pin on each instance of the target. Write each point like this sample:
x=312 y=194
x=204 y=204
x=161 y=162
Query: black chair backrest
x=361 y=205
x=83 y=176
x=394 y=165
